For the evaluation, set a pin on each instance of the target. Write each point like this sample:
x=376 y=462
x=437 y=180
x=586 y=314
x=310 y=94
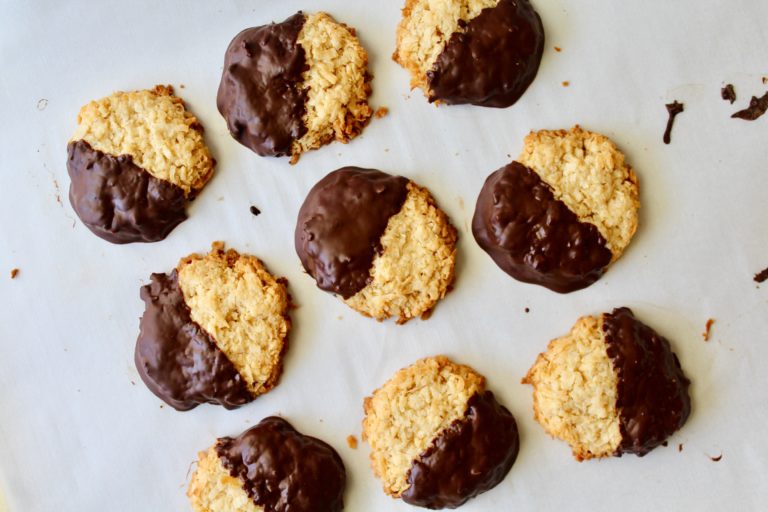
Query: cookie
x=483 y=52
x=271 y=467
x=135 y=161
x=294 y=86
x=611 y=386
x=213 y=331
x=562 y=213
x=437 y=436
x=379 y=241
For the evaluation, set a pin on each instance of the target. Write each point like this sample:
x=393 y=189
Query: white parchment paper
x=80 y=432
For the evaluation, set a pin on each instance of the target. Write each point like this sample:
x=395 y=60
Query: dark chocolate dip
x=652 y=399
x=260 y=94
x=177 y=360
x=491 y=60
x=534 y=237
x=470 y=457
x=118 y=200
x=283 y=470
x=340 y=224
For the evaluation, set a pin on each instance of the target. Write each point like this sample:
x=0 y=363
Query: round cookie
x=379 y=241
x=483 y=52
x=437 y=436
x=269 y=467
x=135 y=161
x=294 y=86
x=611 y=386
x=562 y=213
x=213 y=330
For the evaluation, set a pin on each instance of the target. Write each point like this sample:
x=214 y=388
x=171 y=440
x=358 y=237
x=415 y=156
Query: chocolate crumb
x=381 y=112
x=716 y=459
x=761 y=276
x=673 y=109
x=680 y=447
x=352 y=442
x=728 y=93
x=757 y=107
x=566 y=83
x=708 y=329
x=665 y=444
x=181 y=86
x=558 y=49
x=255 y=211
x=14 y=273
x=527 y=310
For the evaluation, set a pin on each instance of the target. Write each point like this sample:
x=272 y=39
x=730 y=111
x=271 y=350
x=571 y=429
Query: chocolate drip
x=673 y=109
x=534 y=237
x=491 y=60
x=118 y=200
x=177 y=360
x=340 y=224
x=757 y=107
x=260 y=93
x=283 y=470
x=653 y=399
x=471 y=456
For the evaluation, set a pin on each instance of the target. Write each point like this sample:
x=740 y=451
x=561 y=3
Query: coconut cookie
x=437 y=436
x=611 y=386
x=294 y=86
x=483 y=52
x=213 y=331
x=562 y=213
x=135 y=161
x=269 y=467
x=379 y=241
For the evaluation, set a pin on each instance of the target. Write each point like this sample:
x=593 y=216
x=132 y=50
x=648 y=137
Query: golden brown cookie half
x=379 y=241
x=610 y=386
x=213 y=331
x=562 y=213
x=483 y=52
x=294 y=86
x=437 y=436
x=269 y=467
x=135 y=160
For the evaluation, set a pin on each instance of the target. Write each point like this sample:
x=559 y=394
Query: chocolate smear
x=728 y=93
x=673 y=109
x=761 y=276
x=757 y=107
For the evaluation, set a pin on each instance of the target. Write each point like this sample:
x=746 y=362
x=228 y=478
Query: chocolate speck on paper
x=381 y=112
x=14 y=273
x=352 y=442
x=728 y=93
x=254 y=211
x=716 y=459
x=708 y=329
x=757 y=107
x=761 y=276
x=41 y=104
x=527 y=310
x=673 y=109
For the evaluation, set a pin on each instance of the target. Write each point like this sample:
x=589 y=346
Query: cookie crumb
x=761 y=276
x=381 y=112
x=566 y=83
x=255 y=211
x=41 y=104
x=716 y=459
x=728 y=93
x=14 y=273
x=558 y=49
x=673 y=109
x=708 y=329
x=352 y=442
x=680 y=447
x=757 y=107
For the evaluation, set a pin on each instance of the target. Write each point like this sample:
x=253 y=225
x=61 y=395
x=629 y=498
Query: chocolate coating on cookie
x=260 y=93
x=118 y=200
x=177 y=360
x=534 y=237
x=471 y=456
x=340 y=224
x=283 y=470
x=652 y=399
x=493 y=60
